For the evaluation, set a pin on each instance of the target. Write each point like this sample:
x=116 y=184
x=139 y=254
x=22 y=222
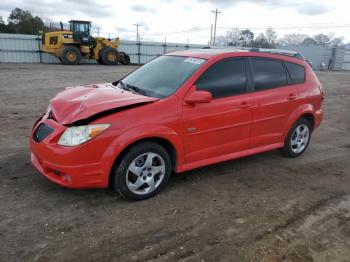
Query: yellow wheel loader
x=72 y=46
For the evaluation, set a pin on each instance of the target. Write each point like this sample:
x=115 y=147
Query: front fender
x=297 y=113
x=139 y=133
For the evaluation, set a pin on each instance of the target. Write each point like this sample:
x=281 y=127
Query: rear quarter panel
x=309 y=100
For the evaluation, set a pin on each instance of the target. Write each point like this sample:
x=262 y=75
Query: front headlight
x=77 y=135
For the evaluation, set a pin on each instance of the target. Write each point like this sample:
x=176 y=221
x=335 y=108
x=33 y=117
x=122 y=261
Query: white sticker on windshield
x=193 y=60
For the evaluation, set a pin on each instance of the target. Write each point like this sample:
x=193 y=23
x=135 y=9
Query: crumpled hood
x=84 y=101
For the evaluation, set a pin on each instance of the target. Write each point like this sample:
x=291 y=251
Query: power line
x=312 y=26
x=189 y=30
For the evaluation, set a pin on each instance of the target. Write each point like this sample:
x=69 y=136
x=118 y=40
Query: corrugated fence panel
x=128 y=47
x=16 y=48
x=19 y=42
x=315 y=54
x=148 y=49
x=338 y=58
x=346 y=62
x=49 y=59
x=172 y=48
x=19 y=57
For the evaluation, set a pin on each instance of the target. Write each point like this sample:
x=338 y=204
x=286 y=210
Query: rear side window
x=296 y=72
x=225 y=78
x=268 y=74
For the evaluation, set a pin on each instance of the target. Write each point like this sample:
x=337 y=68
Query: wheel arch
x=168 y=146
x=309 y=117
x=164 y=136
x=306 y=111
x=75 y=44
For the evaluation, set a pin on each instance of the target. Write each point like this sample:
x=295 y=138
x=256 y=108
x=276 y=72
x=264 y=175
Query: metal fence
x=346 y=62
x=319 y=56
x=142 y=52
x=15 y=48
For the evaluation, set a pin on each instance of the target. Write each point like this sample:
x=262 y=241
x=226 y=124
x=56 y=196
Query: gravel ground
x=259 y=208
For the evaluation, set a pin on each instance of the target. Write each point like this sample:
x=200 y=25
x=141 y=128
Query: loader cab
x=81 y=31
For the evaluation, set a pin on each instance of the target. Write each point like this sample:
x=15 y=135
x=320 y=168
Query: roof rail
x=290 y=53
x=294 y=54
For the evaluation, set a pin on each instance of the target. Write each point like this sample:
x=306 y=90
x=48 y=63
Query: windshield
x=162 y=76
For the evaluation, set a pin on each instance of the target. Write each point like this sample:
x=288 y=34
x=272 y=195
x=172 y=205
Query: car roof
x=208 y=53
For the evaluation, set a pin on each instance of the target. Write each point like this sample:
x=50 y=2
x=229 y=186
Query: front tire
x=70 y=55
x=109 y=56
x=298 y=138
x=142 y=172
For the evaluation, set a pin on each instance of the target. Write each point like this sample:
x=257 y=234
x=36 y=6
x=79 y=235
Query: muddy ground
x=260 y=208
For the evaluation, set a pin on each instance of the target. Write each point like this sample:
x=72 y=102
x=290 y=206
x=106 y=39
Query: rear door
x=275 y=98
x=223 y=125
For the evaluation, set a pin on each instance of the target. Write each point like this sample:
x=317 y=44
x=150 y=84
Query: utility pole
x=216 y=12
x=211 y=34
x=137 y=32
x=98 y=32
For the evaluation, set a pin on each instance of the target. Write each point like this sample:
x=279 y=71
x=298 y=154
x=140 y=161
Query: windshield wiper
x=128 y=87
x=123 y=86
x=136 y=89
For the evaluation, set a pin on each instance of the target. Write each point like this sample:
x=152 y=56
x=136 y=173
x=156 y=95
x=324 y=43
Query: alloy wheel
x=300 y=138
x=145 y=173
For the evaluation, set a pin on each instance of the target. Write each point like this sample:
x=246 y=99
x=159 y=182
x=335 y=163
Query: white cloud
x=163 y=18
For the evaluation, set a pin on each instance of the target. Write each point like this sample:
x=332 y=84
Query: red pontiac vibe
x=183 y=110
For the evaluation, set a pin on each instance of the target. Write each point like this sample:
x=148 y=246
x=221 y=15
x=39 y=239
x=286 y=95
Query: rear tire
x=298 y=138
x=109 y=56
x=70 y=55
x=125 y=60
x=142 y=171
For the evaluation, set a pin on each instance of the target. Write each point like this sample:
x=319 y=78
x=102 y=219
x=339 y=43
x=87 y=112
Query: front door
x=221 y=126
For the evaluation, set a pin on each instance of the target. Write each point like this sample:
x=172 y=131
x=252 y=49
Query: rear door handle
x=244 y=105
x=292 y=97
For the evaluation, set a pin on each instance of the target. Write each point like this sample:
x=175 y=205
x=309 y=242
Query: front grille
x=42 y=132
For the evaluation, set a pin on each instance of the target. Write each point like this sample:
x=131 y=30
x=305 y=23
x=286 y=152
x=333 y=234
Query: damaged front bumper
x=73 y=167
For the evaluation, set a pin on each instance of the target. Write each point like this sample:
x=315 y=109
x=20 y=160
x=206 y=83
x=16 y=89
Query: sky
x=189 y=21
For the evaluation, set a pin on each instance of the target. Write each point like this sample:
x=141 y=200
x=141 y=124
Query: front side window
x=268 y=74
x=162 y=76
x=226 y=78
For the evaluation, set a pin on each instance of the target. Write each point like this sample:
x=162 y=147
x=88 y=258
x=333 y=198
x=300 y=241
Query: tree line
x=22 y=22
x=246 y=38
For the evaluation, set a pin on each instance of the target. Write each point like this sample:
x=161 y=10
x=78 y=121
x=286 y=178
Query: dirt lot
x=260 y=208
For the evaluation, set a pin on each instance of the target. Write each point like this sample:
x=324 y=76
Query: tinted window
x=296 y=72
x=164 y=75
x=225 y=78
x=268 y=74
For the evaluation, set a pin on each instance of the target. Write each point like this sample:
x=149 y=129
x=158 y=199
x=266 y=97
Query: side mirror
x=198 y=97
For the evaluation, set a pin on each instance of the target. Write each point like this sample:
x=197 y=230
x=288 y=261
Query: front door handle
x=244 y=105
x=292 y=97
